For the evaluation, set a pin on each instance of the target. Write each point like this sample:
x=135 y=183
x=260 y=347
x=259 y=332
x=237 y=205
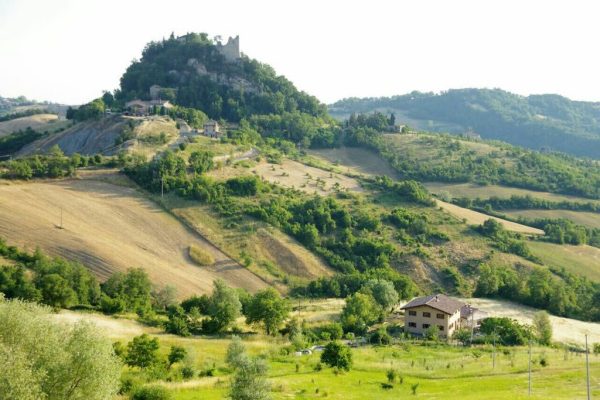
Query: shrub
x=151 y=393
x=337 y=355
x=188 y=372
x=200 y=256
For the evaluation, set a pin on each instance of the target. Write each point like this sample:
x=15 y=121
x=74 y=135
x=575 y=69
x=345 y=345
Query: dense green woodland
x=537 y=121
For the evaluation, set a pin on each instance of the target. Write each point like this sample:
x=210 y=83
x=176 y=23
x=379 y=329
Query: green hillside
x=549 y=122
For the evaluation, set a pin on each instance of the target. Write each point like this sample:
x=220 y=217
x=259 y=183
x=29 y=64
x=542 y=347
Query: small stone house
x=212 y=129
x=445 y=313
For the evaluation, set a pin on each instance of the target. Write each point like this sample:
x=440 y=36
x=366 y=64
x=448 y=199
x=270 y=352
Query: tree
x=432 y=333
x=359 y=313
x=201 y=161
x=267 y=308
x=383 y=292
x=224 y=306
x=176 y=354
x=56 y=291
x=133 y=288
x=165 y=297
x=249 y=381
x=462 y=335
x=142 y=351
x=236 y=353
x=40 y=358
x=543 y=327
x=154 y=392
x=337 y=355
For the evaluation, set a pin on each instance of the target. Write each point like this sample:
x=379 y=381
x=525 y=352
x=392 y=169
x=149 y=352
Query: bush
x=188 y=372
x=337 y=355
x=200 y=256
x=151 y=393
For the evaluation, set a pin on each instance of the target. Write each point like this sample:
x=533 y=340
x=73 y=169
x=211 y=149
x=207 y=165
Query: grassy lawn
x=581 y=260
x=441 y=372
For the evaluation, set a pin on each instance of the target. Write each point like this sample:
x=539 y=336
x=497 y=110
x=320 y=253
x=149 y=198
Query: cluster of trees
x=218 y=312
x=536 y=121
x=52 y=165
x=56 y=282
x=408 y=190
x=344 y=285
x=560 y=293
x=92 y=110
x=528 y=202
x=506 y=241
x=414 y=227
x=361 y=129
x=15 y=141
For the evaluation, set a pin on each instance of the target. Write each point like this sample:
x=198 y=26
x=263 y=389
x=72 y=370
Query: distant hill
x=540 y=122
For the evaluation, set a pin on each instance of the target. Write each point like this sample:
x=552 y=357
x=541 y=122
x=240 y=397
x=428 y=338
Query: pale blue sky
x=69 y=51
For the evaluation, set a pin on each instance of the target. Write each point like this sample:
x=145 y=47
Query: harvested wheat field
x=357 y=160
x=565 y=330
x=111 y=228
x=477 y=218
x=33 y=121
x=296 y=175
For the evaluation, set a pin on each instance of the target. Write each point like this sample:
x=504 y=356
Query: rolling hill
x=540 y=122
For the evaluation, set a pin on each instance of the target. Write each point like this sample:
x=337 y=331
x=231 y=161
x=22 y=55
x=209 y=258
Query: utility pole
x=61 y=219
x=494 y=352
x=530 y=367
x=587 y=368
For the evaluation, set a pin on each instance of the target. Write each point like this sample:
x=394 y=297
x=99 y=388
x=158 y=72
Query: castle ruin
x=230 y=50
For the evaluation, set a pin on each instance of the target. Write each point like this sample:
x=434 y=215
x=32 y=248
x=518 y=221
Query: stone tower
x=231 y=50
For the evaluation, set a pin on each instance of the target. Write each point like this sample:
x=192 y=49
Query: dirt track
x=111 y=228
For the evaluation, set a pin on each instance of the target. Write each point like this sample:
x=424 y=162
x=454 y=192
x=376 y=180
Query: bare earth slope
x=111 y=228
x=88 y=137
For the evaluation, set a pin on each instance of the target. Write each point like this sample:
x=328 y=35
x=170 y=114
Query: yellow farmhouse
x=444 y=313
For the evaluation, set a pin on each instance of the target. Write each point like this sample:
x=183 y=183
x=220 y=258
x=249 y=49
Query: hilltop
x=540 y=122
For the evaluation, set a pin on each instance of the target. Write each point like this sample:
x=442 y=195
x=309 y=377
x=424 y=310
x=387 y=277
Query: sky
x=70 y=51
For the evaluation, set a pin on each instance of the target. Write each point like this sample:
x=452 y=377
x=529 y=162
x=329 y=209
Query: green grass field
x=442 y=372
x=581 y=260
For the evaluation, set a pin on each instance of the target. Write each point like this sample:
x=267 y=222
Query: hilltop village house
x=142 y=107
x=445 y=313
x=212 y=129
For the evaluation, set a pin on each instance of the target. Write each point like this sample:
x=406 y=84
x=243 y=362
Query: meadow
x=441 y=371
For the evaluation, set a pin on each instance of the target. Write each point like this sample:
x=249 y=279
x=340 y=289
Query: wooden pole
x=529 y=367
x=587 y=368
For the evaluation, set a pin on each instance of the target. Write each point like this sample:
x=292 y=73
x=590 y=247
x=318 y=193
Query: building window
x=412 y=324
x=425 y=326
x=441 y=328
x=412 y=313
x=426 y=314
x=440 y=316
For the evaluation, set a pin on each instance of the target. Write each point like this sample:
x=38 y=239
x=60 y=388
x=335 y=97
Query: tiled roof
x=438 y=301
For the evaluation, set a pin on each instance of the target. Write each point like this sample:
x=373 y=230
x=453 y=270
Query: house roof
x=439 y=302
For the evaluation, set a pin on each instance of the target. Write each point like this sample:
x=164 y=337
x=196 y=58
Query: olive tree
x=41 y=358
